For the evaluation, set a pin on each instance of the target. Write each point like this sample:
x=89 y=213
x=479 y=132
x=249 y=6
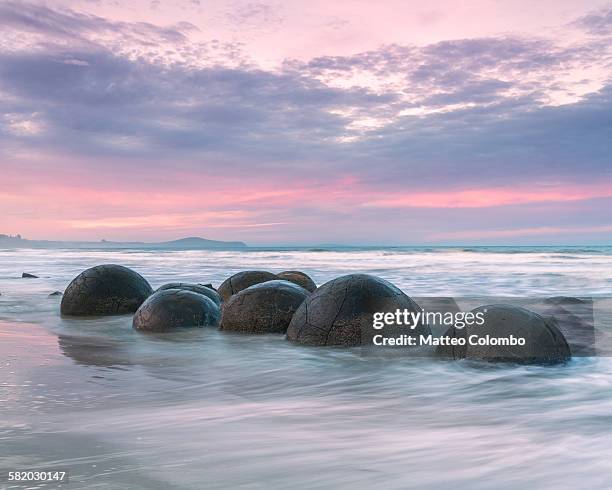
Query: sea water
x=203 y=409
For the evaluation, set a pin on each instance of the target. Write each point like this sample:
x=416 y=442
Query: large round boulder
x=105 y=290
x=243 y=280
x=298 y=278
x=341 y=311
x=574 y=318
x=263 y=308
x=169 y=309
x=194 y=288
x=507 y=334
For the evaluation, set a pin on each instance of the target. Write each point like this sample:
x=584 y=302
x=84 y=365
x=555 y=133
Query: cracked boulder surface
x=544 y=342
x=262 y=308
x=243 y=280
x=194 y=288
x=299 y=278
x=340 y=312
x=105 y=290
x=170 y=309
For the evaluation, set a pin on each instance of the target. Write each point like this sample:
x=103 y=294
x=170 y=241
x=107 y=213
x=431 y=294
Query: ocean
x=205 y=409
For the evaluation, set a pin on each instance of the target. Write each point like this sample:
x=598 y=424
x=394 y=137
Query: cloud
x=398 y=127
x=254 y=15
x=68 y=24
x=95 y=101
x=597 y=23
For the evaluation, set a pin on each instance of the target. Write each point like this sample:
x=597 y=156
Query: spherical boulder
x=507 y=334
x=194 y=288
x=243 y=280
x=170 y=309
x=574 y=318
x=105 y=290
x=341 y=311
x=262 y=308
x=298 y=278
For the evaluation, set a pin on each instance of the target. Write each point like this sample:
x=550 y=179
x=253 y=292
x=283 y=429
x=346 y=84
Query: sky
x=294 y=122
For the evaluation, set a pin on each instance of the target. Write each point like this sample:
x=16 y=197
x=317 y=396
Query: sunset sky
x=294 y=122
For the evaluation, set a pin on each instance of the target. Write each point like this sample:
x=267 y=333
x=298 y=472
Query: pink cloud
x=63 y=200
x=490 y=197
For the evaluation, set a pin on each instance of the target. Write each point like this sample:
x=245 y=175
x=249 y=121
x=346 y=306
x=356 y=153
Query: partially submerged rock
x=574 y=318
x=262 y=308
x=55 y=293
x=170 y=309
x=27 y=275
x=340 y=312
x=105 y=290
x=299 y=278
x=543 y=341
x=195 y=288
x=444 y=305
x=243 y=280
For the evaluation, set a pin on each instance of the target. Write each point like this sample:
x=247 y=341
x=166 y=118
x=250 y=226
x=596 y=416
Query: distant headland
x=189 y=243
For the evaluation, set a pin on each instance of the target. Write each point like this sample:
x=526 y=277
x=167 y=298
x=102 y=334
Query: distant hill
x=189 y=243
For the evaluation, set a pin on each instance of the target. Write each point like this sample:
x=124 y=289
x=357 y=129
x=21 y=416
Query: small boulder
x=543 y=341
x=243 y=280
x=105 y=290
x=27 y=275
x=565 y=300
x=298 y=278
x=170 y=309
x=55 y=293
x=195 y=288
x=340 y=312
x=262 y=308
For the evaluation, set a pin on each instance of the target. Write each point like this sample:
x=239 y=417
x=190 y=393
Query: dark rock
x=175 y=308
x=195 y=288
x=544 y=343
x=564 y=300
x=298 y=278
x=243 y=280
x=27 y=275
x=574 y=318
x=105 y=290
x=208 y=285
x=263 y=308
x=438 y=304
x=340 y=312
x=55 y=293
